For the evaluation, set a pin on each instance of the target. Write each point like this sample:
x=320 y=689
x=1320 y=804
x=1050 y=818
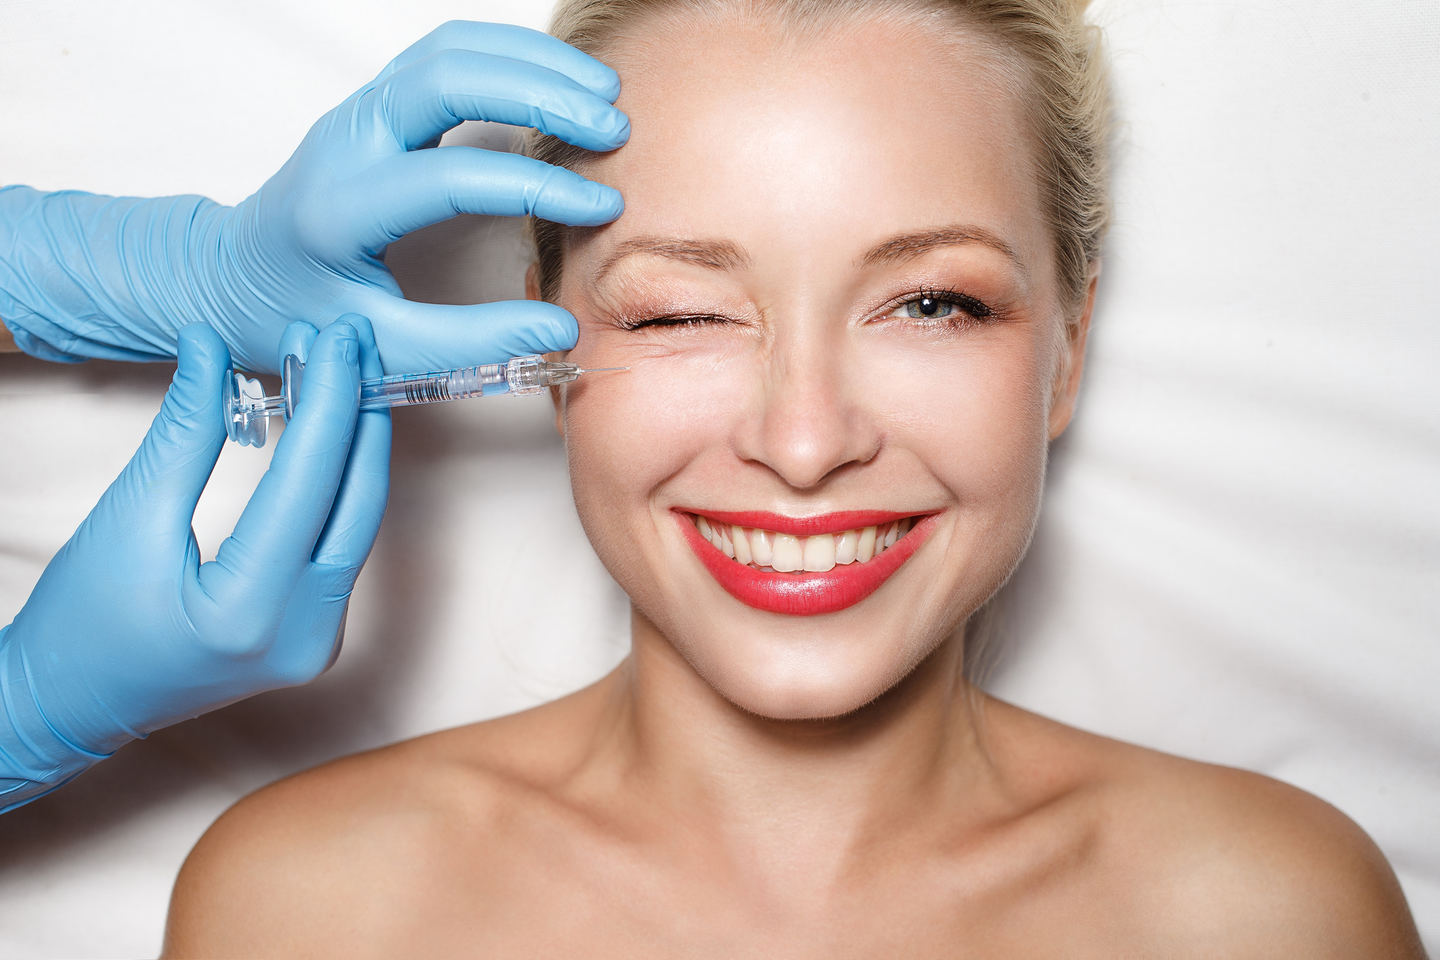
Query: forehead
x=859 y=130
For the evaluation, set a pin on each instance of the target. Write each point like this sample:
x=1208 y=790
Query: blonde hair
x=1058 y=50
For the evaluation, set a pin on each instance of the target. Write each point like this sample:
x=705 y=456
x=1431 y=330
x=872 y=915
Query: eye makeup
x=942 y=292
x=672 y=321
x=630 y=301
x=939 y=307
x=928 y=307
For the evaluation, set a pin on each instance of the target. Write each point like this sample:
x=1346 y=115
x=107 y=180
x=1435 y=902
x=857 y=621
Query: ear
x=532 y=292
x=1066 y=388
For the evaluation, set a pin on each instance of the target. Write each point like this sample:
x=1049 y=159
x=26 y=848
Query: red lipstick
x=804 y=594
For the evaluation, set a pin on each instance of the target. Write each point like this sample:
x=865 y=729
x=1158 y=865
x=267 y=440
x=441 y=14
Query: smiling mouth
x=810 y=565
x=772 y=552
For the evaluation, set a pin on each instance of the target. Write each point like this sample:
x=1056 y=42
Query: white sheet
x=1238 y=560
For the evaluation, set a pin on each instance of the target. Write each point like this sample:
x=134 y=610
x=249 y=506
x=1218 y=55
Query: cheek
x=626 y=432
x=627 y=435
x=974 y=410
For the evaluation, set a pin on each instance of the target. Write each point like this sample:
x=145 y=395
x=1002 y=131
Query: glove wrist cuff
x=84 y=275
x=35 y=758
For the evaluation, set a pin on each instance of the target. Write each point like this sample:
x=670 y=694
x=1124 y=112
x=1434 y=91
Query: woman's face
x=834 y=290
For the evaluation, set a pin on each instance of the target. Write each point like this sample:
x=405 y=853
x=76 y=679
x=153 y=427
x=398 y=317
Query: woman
x=852 y=287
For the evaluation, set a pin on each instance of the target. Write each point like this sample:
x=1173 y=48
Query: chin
x=813 y=702
x=795 y=686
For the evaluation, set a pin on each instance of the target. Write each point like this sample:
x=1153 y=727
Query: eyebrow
x=725 y=255
x=907 y=246
x=715 y=254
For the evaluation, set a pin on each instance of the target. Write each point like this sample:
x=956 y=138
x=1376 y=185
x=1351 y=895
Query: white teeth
x=742 y=544
x=762 y=547
x=865 y=549
x=786 y=553
x=788 y=556
x=819 y=553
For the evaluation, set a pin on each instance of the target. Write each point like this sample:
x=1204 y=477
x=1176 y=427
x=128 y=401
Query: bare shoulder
x=266 y=878
x=1224 y=862
x=1260 y=868
x=348 y=857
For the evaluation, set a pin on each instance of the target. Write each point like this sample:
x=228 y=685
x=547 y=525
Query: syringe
x=248 y=410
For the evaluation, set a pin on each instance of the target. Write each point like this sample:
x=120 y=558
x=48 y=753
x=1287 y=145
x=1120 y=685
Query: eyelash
x=976 y=312
x=673 y=320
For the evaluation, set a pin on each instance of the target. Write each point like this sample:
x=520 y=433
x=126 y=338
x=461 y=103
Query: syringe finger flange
x=243 y=405
x=292 y=373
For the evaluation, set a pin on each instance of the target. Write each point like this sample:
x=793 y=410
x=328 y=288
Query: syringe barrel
x=404 y=390
x=247 y=408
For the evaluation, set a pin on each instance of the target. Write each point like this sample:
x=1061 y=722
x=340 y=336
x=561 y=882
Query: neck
x=802 y=796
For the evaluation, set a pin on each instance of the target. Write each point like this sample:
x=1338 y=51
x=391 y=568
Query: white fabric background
x=1238 y=559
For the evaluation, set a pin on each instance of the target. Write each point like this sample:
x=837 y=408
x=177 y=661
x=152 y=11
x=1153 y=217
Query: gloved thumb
x=176 y=458
x=416 y=337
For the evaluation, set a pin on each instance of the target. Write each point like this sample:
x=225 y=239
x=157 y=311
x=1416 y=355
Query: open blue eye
x=943 y=305
x=929 y=308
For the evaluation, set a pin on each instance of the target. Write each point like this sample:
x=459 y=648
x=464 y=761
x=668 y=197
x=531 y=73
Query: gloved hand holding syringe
x=248 y=410
x=127 y=630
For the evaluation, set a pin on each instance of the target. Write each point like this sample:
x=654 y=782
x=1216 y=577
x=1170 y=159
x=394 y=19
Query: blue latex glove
x=91 y=276
x=128 y=632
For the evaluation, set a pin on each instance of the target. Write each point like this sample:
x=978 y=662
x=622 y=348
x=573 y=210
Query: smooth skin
x=751 y=784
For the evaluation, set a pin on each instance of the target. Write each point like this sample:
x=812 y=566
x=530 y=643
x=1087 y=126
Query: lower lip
x=803 y=594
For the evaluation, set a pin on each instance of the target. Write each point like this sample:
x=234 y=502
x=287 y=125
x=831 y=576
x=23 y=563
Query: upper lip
x=810 y=526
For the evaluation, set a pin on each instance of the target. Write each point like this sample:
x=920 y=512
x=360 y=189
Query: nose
x=811 y=413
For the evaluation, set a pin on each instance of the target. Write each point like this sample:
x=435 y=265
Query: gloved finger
x=310 y=632
x=295 y=341
x=517 y=43
x=416 y=337
x=360 y=502
x=178 y=453
x=414 y=190
x=426 y=98
x=276 y=534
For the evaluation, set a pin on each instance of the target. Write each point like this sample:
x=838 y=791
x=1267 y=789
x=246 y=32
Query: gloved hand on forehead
x=127 y=631
x=84 y=276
